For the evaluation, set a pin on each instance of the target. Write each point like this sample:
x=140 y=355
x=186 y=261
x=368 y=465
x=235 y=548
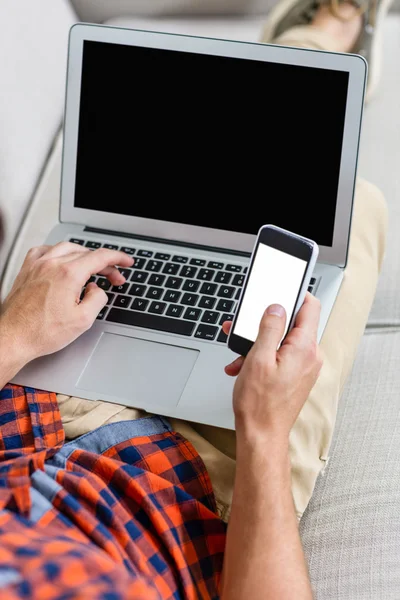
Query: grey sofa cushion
x=351 y=528
x=380 y=164
x=33 y=51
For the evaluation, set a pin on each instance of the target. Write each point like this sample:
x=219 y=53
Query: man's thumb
x=272 y=327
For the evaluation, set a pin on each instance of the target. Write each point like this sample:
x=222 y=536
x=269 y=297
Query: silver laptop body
x=177 y=149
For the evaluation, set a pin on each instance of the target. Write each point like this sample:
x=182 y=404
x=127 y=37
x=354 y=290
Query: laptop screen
x=219 y=142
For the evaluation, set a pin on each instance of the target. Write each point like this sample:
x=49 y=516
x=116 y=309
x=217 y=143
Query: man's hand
x=43 y=313
x=263 y=556
x=272 y=385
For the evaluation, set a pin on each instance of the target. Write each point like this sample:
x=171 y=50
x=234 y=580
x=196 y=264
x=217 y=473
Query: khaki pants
x=311 y=436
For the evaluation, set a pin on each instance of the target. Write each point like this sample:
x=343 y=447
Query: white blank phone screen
x=275 y=278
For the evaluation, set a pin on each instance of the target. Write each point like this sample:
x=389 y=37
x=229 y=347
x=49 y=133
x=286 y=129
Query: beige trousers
x=311 y=436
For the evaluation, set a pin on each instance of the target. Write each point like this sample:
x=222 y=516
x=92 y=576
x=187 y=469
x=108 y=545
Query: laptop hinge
x=167 y=242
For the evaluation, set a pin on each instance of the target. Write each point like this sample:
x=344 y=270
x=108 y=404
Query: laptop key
x=222 y=337
x=103 y=283
x=127 y=250
x=223 y=277
x=210 y=316
x=139 y=263
x=234 y=268
x=122 y=301
x=162 y=256
x=180 y=259
x=110 y=298
x=225 y=305
x=150 y=321
x=174 y=283
x=137 y=290
x=206 y=274
x=102 y=313
x=245 y=270
x=212 y=264
x=208 y=288
x=226 y=317
x=154 y=265
x=125 y=272
x=157 y=308
x=238 y=294
x=198 y=262
x=310 y=289
x=156 y=279
x=226 y=291
x=110 y=246
x=139 y=276
x=155 y=293
x=191 y=285
x=238 y=280
x=147 y=253
x=120 y=289
x=189 y=299
x=76 y=241
x=170 y=269
x=175 y=310
x=139 y=304
x=93 y=245
x=172 y=296
x=188 y=271
x=207 y=302
x=193 y=314
x=206 y=332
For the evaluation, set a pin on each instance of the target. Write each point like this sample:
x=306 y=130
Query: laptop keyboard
x=173 y=293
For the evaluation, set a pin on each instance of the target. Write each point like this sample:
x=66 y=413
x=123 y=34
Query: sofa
x=351 y=528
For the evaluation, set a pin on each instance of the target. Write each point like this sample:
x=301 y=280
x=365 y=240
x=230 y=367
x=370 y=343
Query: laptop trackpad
x=138 y=371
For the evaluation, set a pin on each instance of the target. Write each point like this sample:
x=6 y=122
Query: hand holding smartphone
x=280 y=269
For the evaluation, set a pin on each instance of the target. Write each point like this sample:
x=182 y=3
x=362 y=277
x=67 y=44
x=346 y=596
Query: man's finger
x=226 y=327
x=113 y=275
x=272 y=327
x=309 y=315
x=98 y=260
x=233 y=368
x=94 y=300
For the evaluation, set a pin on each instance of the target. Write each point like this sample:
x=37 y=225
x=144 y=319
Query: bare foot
x=345 y=27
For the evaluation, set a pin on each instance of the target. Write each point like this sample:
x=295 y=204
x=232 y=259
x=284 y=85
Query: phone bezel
x=280 y=240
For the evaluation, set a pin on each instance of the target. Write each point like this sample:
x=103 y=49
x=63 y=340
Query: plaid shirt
x=124 y=512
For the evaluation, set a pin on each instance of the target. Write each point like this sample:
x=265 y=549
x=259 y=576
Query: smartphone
x=280 y=270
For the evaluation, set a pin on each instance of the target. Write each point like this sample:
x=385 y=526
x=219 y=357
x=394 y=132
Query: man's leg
x=311 y=436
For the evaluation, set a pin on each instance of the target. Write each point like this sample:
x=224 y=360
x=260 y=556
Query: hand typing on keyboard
x=43 y=312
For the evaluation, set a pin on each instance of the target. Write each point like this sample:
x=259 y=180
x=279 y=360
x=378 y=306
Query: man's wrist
x=262 y=446
x=258 y=437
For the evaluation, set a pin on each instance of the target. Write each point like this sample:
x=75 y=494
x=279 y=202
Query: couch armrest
x=33 y=47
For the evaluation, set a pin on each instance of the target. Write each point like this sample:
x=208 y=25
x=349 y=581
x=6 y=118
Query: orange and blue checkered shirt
x=126 y=511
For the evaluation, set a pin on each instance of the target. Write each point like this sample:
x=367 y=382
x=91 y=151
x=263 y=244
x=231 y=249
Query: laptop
x=176 y=150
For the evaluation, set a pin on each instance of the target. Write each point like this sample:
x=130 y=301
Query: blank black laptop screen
x=219 y=142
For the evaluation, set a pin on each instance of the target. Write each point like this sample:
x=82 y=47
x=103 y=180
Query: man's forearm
x=264 y=557
x=11 y=356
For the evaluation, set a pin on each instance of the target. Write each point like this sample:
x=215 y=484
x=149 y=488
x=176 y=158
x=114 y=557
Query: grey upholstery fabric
x=351 y=528
x=380 y=164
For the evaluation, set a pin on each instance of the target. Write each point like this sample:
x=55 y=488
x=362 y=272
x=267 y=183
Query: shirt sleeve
x=31 y=431
x=30 y=421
